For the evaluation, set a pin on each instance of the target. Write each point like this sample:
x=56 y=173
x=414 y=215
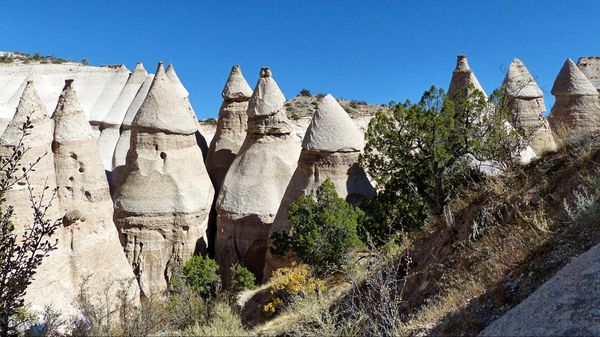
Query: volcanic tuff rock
x=111 y=124
x=88 y=233
x=576 y=110
x=526 y=105
x=98 y=87
x=231 y=127
x=462 y=77
x=255 y=183
x=162 y=205
x=120 y=154
x=172 y=75
x=590 y=66
x=330 y=149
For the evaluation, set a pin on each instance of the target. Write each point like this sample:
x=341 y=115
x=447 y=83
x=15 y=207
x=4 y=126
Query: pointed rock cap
x=267 y=98
x=139 y=67
x=70 y=122
x=332 y=129
x=519 y=82
x=571 y=81
x=30 y=105
x=236 y=88
x=463 y=76
x=172 y=75
x=164 y=110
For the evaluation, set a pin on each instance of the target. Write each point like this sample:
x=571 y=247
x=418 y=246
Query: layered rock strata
x=330 y=149
x=89 y=233
x=111 y=124
x=256 y=181
x=527 y=108
x=162 y=205
x=231 y=126
x=576 y=110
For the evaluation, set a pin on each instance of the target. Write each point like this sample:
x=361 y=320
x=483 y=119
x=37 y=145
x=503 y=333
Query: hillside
x=501 y=242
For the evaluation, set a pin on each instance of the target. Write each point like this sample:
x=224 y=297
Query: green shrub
x=323 y=230
x=241 y=278
x=305 y=93
x=201 y=275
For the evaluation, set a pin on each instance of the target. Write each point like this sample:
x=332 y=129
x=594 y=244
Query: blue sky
x=375 y=51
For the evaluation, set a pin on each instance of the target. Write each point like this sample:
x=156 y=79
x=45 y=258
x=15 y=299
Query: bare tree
x=21 y=253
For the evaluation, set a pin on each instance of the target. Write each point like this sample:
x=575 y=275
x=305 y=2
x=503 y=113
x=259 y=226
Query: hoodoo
x=110 y=126
x=590 y=66
x=463 y=77
x=330 y=149
x=256 y=181
x=89 y=233
x=109 y=93
x=122 y=147
x=231 y=127
x=162 y=205
x=527 y=108
x=576 y=110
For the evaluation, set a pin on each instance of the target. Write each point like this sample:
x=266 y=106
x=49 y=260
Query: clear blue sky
x=375 y=51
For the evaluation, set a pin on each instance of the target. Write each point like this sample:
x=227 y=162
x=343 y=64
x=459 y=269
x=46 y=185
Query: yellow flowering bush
x=289 y=283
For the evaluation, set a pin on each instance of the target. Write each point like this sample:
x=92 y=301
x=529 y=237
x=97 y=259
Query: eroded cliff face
x=165 y=195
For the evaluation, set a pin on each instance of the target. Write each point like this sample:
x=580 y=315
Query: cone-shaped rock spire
x=163 y=109
x=90 y=237
x=120 y=154
x=231 y=127
x=162 y=204
x=236 y=88
x=110 y=126
x=330 y=149
x=462 y=77
x=256 y=181
x=172 y=75
x=527 y=108
x=576 y=110
x=332 y=129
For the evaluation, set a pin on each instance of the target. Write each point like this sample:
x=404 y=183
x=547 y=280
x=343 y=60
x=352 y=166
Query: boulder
x=163 y=201
x=330 y=149
x=256 y=181
x=527 y=108
x=576 y=110
x=231 y=126
x=111 y=124
x=89 y=235
x=462 y=77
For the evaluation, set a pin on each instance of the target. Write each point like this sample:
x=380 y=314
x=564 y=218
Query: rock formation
x=462 y=77
x=256 y=181
x=180 y=89
x=330 y=149
x=527 y=108
x=231 y=127
x=97 y=87
x=109 y=93
x=590 y=66
x=122 y=147
x=50 y=285
x=162 y=204
x=576 y=110
x=88 y=234
x=111 y=124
